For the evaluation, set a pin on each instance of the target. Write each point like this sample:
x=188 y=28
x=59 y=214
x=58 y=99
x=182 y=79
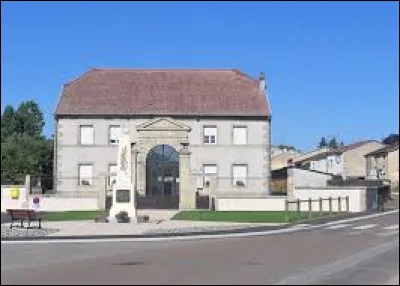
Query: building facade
x=383 y=164
x=219 y=118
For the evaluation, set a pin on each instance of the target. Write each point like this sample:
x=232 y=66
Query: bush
x=143 y=218
x=122 y=216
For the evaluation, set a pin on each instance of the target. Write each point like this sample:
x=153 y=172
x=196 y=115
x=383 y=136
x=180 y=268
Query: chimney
x=261 y=83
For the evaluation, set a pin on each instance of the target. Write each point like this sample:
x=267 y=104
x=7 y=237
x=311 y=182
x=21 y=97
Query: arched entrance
x=162 y=177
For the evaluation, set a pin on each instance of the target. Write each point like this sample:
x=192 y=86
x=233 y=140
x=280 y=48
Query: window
x=239 y=175
x=239 y=135
x=209 y=171
x=112 y=174
x=85 y=175
x=114 y=134
x=210 y=135
x=86 y=135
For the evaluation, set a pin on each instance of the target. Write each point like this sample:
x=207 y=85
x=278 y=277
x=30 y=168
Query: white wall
x=46 y=203
x=360 y=199
x=333 y=164
x=306 y=178
x=250 y=203
x=7 y=202
x=54 y=204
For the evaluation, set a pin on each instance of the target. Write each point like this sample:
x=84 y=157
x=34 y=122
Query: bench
x=24 y=214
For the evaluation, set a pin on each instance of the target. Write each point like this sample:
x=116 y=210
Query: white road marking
x=388 y=233
x=392 y=227
x=194 y=237
x=365 y=226
x=301 y=225
x=354 y=233
x=338 y=226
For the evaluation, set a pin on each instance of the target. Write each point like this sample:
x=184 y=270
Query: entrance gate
x=162 y=179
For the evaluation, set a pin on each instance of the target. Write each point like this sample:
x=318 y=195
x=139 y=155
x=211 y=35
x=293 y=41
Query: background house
x=384 y=164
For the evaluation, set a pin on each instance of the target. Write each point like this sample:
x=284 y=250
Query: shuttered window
x=86 y=135
x=239 y=135
x=239 y=175
x=112 y=174
x=114 y=134
x=209 y=171
x=85 y=175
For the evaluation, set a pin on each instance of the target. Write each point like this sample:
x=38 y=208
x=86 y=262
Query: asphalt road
x=359 y=252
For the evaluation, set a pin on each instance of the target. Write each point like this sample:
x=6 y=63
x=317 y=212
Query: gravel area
x=23 y=232
x=198 y=229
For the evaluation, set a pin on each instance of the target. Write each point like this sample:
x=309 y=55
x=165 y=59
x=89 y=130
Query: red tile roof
x=163 y=91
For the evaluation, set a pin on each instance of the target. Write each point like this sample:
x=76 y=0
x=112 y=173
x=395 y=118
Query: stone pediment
x=163 y=124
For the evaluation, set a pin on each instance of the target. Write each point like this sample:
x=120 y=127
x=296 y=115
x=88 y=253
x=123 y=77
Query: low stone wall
x=254 y=203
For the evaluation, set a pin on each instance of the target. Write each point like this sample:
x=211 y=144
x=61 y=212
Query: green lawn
x=72 y=215
x=246 y=216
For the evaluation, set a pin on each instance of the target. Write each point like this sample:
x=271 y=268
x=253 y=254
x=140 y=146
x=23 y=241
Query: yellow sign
x=14 y=193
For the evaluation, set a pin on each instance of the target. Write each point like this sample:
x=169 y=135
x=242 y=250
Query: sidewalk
x=90 y=228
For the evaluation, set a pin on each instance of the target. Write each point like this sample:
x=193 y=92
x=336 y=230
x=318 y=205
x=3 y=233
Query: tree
x=8 y=122
x=341 y=144
x=29 y=119
x=391 y=139
x=24 y=150
x=20 y=155
x=332 y=143
x=322 y=142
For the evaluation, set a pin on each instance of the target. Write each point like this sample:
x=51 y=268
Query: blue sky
x=332 y=67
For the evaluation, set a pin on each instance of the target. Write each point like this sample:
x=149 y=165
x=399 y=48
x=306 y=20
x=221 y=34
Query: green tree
x=24 y=149
x=322 y=142
x=333 y=143
x=29 y=119
x=19 y=156
x=391 y=139
x=9 y=124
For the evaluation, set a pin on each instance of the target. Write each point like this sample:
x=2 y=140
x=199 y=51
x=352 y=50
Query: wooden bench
x=24 y=214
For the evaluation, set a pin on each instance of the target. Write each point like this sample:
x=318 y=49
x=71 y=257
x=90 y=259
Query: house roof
x=214 y=92
x=355 y=145
x=384 y=150
x=320 y=156
x=328 y=152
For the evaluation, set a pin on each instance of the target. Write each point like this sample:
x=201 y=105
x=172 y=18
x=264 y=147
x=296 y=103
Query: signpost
x=36 y=203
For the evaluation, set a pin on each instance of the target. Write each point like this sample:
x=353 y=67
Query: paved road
x=358 y=252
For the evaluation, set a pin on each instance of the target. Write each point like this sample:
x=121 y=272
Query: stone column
x=187 y=197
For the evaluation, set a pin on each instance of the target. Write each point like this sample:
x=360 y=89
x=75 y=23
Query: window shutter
x=239 y=173
x=114 y=134
x=112 y=172
x=209 y=171
x=85 y=174
x=87 y=135
x=240 y=135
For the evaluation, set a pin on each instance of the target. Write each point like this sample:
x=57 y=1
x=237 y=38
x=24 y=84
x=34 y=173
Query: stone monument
x=123 y=198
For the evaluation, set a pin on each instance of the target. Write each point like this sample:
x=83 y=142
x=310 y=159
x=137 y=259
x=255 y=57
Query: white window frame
x=210 y=135
x=82 y=178
x=207 y=174
x=235 y=178
x=113 y=141
x=236 y=135
x=112 y=176
x=85 y=141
